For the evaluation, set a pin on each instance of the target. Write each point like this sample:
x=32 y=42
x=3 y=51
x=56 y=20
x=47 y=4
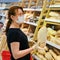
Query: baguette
x=57 y=51
x=41 y=57
x=48 y=56
x=43 y=52
x=54 y=55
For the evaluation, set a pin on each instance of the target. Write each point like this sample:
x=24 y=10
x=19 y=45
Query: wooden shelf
x=3 y=8
x=50 y=21
x=53 y=44
x=55 y=7
x=31 y=23
x=36 y=57
x=30 y=9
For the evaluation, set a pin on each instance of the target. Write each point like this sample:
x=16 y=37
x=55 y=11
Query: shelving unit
x=49 y=21
x=44 y=12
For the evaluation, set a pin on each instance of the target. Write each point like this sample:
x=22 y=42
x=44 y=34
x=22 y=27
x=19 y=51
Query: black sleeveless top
x=16 y=35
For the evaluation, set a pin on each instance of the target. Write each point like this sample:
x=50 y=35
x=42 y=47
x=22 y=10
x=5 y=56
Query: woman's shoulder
x=13 y=31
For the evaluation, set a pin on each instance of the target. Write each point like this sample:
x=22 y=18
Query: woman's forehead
x=19 y=11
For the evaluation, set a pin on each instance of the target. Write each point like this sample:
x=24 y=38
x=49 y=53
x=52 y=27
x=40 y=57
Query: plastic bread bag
x=42 y=36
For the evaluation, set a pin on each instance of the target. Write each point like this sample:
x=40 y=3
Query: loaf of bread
x=51 y=31
x=58 y=33
x=54 y=14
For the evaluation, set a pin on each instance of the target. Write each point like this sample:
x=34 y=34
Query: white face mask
x=20 y=19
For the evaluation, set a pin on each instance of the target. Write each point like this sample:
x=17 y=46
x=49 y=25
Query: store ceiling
x=2 y=1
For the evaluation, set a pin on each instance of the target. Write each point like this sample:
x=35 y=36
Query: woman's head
x=13 y=14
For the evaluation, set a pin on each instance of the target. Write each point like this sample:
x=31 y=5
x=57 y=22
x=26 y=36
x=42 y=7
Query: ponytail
x=8 y=25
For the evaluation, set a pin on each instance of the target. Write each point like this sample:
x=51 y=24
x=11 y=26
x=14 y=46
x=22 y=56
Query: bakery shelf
x=50 y=21
x=30 y=9
x=53 y=44
x=31 y=23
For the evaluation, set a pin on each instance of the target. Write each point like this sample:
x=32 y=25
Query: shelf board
x=30 y=9
x=36 y=57
x=50 y=21
x=31 y=23
x=3 y=8
x=55 y=7
x=53 y=44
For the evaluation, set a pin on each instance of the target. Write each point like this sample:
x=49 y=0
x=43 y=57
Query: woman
x=16 y=39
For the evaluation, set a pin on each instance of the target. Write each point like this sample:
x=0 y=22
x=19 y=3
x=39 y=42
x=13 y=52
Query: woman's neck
x=14 y=25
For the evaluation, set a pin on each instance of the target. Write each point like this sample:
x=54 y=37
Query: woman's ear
x=12 y=17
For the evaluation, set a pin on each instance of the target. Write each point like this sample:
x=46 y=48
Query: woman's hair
x=11 y=12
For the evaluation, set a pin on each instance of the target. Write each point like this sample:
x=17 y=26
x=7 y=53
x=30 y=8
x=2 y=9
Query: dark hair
x=11 y=12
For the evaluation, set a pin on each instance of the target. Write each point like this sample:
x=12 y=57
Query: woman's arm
x=19 y=53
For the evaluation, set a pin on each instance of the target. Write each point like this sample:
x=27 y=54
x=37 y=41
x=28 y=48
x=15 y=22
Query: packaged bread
x=42 y=36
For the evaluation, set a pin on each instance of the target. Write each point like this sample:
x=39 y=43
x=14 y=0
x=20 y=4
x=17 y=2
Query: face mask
x=20 y=19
